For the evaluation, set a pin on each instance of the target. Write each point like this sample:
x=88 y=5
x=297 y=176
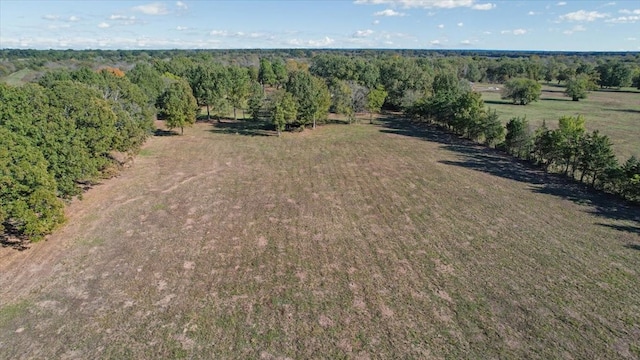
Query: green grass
x=371 y=241
x=17 y=78
x=614 y=113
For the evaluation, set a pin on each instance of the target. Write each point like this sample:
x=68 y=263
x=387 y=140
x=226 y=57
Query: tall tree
x=239 y=89
x=256 y=99
x=578 y=87
x=341 y=99
x=266 y=75
x=375 y=100
x=311 y=94
x=492 y=128
x=597 y=156
x=521 y=91
x=179 y=106
x=283 y=110
x=28 y=202
x=518 y=140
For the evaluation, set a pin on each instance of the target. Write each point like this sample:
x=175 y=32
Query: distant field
x=18 y=78
x=614 y=113
x=350 y=241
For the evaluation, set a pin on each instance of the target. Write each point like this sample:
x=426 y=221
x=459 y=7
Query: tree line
x=60 y=135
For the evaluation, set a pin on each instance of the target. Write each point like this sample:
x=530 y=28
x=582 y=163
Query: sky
x=406 y=24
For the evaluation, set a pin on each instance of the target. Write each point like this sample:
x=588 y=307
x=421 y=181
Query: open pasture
x=348 y=241
x=613 y=112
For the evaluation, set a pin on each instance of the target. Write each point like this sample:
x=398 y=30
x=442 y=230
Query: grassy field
x=614 y=113
x=18 y=78
x=349 y=241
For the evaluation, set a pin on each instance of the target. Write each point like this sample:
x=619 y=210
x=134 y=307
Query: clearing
x=615 y=113
x=349 y=241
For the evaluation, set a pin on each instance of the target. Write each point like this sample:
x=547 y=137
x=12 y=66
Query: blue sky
x=416 y=24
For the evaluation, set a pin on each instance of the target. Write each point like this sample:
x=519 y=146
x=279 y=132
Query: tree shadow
x=555 y=99
x=625 y=228
x=633 y=246
x=240 y=127
x=632 y=111
x=499 y=102
x=161 y=132
x=495 y=162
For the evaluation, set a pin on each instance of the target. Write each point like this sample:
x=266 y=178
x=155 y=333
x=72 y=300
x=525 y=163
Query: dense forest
x=77 y=116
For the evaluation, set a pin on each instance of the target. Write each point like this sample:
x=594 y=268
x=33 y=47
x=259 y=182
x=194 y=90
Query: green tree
x=283 y=110
x=375 y=100
x=148 y=79
x=256 y=98
x=266 y=75
x=614 y=73
x=239 y=89
x=521 y=91
x=280 y=71
x=571 y=131
x=578 y=87
x=597 y=157
x=28 y=202
x=179 y=106
x=635 y=80
x=518 y=140
x=492 y=128
x=311 y=94
x=341 y=99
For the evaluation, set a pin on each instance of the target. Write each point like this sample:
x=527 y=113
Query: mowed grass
x=349 y=241
x=614 y=113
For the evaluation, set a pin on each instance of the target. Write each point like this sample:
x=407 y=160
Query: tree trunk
x=181 y=130
x=314 y=121
x=370 y=118
x=575 y=98
x=208 y=114
x=234 y=114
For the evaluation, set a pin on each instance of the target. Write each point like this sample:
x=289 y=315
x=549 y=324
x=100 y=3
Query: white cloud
x=562 y=3
x=51 y=17
x=487 y=6
x=103 y=25
x=181 y=28
x=465 y=42
x=514 y=32
x=313 y=43
x=181 y=5
x=375 y=22
x=575 y=29
x=582 y=15
x=152 y=9
x=626 y=11
x=624 y=19
x=58 y=26
x=73 y=18
x=435 y=42
x=388 y=12
x=123 y=19
x=441 y=26
x=632 y=39
x=363 y=33
x=430 y=4
x=460 y=24
x=219 y=33
x=322 y=42
x=531 y=13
